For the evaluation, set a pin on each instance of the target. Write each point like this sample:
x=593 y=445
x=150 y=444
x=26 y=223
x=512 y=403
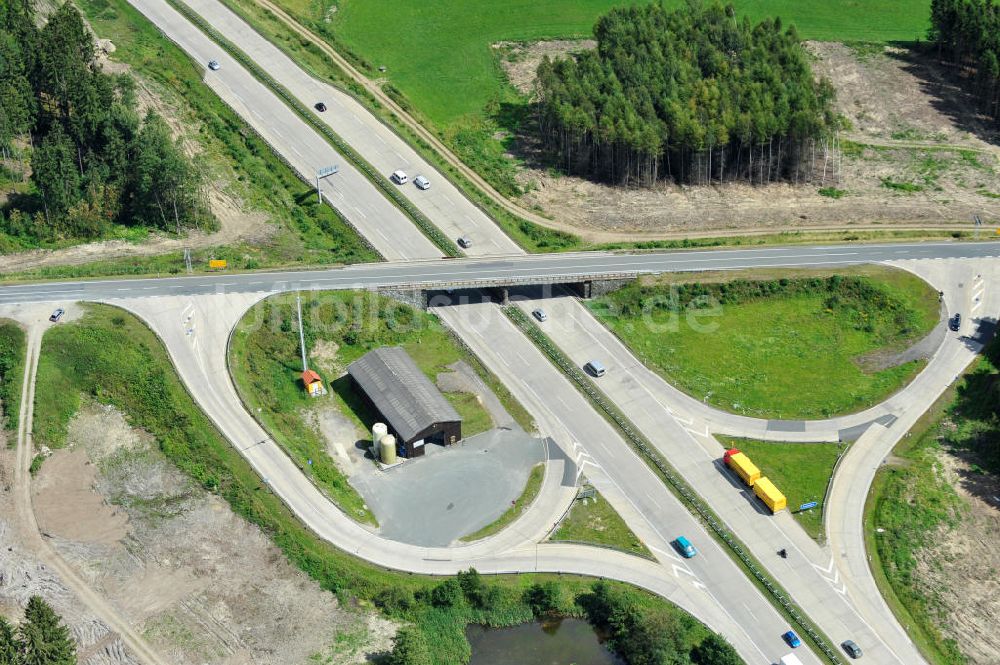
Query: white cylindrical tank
x=378 y=431
x=387 y=449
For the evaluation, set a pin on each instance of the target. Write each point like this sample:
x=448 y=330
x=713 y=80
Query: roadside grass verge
x=593 y=521
x=756 y=347
x=265 y=362
x=521 y=503
x=801 y=471
x=113 y=358
x=307 y=233
x=12 y=359
x=910 y=503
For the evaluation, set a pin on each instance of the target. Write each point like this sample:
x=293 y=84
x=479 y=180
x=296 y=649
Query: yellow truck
x=769 y=494
x=742 y=465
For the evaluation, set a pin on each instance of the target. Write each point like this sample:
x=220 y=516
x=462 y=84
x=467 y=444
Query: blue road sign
x=807 y=506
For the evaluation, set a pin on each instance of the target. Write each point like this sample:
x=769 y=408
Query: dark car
x=956 y=322
x=56 y=315
x=792 y=639
x=852 y=649
x=320 y=106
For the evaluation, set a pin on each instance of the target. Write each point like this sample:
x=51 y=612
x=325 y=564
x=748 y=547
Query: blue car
x=685 y=547
x=792 y=639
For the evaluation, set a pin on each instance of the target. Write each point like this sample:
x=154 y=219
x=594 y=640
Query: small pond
x=561 y=642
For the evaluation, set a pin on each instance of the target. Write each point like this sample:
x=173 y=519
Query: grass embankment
x=266 y=366
x=12 y=358
x=111 y=357
x=593 y=521
x=521 y=503
x=307 y=232
x=916 y=506
x=776 y=347
x=801 y=471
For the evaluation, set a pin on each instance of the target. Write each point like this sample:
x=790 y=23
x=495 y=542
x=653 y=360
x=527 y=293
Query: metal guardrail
x=779 y=595
x=277 y=153
x=486 y=282
x=423 y=223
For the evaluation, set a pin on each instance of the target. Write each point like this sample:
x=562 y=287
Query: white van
x=399 y=177
x=595 y=368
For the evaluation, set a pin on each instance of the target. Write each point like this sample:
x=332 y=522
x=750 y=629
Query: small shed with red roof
x=313 y=384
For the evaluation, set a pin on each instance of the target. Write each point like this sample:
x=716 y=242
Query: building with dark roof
x=413 y=408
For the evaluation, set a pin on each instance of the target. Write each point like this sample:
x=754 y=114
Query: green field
x=801 y=471
x=593 y=520
x=114 y=359
x=440 y=57
x=778 y=347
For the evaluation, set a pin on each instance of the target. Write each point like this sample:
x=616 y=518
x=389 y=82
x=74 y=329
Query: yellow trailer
x=769 y=494
x=742 y=465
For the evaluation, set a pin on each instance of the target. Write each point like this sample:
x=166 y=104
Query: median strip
x=779 y=597
x=423 y=223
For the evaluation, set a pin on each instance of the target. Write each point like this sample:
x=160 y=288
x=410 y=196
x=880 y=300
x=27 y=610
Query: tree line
x=967 y=33
x=41 y=639
x=92 y=161
x=694 y=95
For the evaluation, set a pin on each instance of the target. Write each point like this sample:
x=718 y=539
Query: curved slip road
x=683 y=435
x=711 y=587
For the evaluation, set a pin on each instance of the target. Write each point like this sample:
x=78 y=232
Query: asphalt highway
x=533 y=268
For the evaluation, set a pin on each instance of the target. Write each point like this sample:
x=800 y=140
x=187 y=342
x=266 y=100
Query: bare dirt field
x=23 y=575
x=962 y=574
x=236 y=222
x=909 y=131
x=205 y=586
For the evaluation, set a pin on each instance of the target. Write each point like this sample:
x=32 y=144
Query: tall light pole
x=302 y=335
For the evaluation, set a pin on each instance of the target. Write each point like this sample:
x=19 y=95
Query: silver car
x=540 y=314
x=214 y=65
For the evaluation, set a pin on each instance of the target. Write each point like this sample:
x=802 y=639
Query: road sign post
x=322 y=173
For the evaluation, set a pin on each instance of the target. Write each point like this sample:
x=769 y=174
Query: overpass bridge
x=575 y=269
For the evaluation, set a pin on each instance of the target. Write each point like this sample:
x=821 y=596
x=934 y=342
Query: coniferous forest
x=967 y=33
x=694 y=95
x=75 y=129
